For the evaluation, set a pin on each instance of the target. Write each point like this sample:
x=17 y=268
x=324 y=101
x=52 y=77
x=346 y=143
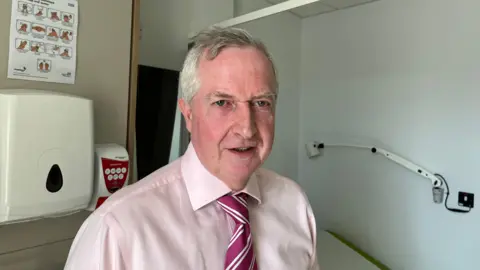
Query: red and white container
x=111 y=172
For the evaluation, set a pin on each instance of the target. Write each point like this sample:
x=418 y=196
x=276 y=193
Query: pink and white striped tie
x=240 y=255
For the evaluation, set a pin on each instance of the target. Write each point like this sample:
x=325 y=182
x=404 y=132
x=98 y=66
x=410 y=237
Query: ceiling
x=322 y=6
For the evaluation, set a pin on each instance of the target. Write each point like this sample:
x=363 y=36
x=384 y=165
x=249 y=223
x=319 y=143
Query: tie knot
x=236 y=206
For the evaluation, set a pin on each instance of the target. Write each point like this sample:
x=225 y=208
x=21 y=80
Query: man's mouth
x=242 y=149
x=245 y=153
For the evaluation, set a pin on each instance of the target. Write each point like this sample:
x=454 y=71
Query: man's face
x=231 y=117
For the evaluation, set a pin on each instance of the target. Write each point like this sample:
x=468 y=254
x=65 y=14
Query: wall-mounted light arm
x=439 y=184
x=436 y=182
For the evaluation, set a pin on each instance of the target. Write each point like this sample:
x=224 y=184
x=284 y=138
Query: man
x=214 y=208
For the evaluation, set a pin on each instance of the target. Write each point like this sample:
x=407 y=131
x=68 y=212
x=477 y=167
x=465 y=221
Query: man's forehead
x=236 y=73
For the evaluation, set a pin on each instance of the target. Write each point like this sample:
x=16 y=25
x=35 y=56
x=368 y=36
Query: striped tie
x=240 y=255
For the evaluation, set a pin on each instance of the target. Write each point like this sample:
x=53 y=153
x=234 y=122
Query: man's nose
x=245 y=120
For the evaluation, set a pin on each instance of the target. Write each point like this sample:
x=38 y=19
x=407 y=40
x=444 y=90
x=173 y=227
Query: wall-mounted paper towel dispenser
x=46 y=154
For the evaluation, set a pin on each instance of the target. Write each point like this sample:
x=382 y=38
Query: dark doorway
x=156 y=105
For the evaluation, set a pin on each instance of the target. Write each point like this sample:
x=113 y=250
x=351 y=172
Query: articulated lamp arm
x=438 y=181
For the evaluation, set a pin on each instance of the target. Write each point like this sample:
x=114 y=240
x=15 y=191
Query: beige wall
x=104 y=31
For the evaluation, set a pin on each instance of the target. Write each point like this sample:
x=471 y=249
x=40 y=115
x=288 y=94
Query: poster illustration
x=43 y=40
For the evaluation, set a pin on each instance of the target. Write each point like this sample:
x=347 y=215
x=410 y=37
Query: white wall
x=402 y=75
x=284 y=46
x=208 y=12
x=165 y=26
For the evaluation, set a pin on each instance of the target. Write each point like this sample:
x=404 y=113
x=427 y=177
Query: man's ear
x=186 y=110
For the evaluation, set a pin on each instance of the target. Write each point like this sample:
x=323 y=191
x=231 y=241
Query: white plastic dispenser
x=46 y=154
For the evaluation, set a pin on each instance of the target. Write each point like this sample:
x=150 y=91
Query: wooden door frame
x=132 y=92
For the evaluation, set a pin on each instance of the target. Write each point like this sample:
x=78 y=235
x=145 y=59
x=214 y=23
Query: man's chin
x=238 y=167
x=237 y=175
x=237 y=185
x=243 y=166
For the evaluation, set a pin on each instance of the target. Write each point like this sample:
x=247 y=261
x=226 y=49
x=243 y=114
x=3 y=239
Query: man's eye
x=223 y=103
x=262 y=103
x=220 y=103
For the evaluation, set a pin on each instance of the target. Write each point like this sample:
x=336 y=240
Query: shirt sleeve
x=311 y=227
x=314 y=265
x=96 y=245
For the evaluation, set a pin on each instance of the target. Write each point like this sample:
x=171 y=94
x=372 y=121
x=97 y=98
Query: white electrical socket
x=313 y=149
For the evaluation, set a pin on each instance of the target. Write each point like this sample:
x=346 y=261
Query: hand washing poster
x=43 y=40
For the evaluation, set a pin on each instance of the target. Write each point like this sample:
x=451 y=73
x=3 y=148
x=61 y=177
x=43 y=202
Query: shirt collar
x=203 y=187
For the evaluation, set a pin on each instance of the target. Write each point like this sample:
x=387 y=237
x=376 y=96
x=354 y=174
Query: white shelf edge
x=262 y=13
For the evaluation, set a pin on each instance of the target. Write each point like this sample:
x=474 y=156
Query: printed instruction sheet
x=43 y=40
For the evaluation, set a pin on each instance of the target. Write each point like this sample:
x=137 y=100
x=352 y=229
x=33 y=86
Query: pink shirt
x=169 y=220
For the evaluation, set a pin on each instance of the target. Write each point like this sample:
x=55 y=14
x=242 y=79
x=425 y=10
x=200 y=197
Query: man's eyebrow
x=219 y=94
x=266 y=95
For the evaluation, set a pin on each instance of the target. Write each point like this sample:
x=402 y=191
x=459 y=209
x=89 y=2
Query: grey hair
x=212 y=41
